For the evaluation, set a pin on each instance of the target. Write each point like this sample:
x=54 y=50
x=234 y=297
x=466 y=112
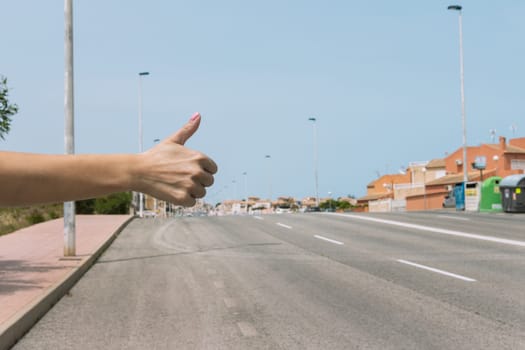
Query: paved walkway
x=32 y=264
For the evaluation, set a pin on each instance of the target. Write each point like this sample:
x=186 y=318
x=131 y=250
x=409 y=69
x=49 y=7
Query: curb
x=16 y=327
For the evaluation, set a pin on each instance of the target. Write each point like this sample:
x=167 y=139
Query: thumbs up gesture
x=172 y=172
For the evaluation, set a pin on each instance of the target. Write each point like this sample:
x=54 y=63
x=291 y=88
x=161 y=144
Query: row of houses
x=424 y=185
x=256 y=205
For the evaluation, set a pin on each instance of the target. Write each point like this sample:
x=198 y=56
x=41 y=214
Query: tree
x=343 y=205
x=86 y=206
x=7 y=110
x=329 y=204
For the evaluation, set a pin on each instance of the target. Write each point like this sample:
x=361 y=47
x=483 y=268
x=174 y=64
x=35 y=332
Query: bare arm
x=168 y=171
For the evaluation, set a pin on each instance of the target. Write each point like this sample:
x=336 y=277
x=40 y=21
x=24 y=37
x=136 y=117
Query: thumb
x=184 y=133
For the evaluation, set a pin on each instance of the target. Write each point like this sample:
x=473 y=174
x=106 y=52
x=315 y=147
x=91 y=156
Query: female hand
x=172 y=172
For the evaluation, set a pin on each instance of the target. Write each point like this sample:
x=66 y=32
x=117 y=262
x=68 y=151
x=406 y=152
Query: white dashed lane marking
x=442 y=272
x=329 y=240
x=283 y=225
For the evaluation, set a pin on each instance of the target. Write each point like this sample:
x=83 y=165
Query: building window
x=517 y=164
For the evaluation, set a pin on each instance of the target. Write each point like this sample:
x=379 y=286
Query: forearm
x=168 y=171
x=27 y=178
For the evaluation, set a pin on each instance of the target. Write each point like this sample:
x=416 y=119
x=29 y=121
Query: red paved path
x=31 y=259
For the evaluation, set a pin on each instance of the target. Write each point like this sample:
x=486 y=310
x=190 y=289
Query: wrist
x=132 y=172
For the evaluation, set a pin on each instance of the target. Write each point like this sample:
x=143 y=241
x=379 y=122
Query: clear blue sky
x=381 y=77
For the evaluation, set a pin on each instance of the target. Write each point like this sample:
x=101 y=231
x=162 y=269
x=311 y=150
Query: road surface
x=440 y=280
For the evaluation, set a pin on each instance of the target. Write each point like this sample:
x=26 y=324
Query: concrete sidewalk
x=34 y=274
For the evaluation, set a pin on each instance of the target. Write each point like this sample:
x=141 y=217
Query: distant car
x=282 y=210
x=313 y=209
x=149 y=214
x=450 y=200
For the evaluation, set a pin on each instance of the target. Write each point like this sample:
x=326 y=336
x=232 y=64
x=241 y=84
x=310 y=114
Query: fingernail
x=195 y=117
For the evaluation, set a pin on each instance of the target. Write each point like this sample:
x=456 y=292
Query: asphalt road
x=301 y=281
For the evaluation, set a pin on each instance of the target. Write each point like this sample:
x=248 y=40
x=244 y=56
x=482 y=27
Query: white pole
x=316 y=176
x=424 y=187
x=269 y=176
x=141 y=147
x=246 y=186
x=463 y=116
x=69 y=132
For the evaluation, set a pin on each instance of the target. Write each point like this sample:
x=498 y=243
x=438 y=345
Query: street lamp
x=465 y=176
x=313 y=120
x=269 y=175
x=234 y=182
x=245 y=174
x=155 y=200
x=69 y=132
x=141 y=147
x=424 y=170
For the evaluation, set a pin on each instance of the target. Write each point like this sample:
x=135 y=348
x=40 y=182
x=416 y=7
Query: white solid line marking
x=453 y=217
x=328 y=240
x=436 y=230
x=283 y=225
x=247 y=329
x=257 y=217
x=437 y=271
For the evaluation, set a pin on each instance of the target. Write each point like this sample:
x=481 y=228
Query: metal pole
x=316 y=176
x=141 y=147
x=155 y=200
x=69 y=132
x=463 y=117
x=246 y=185
x=234 y=182
x=269 y=176
x=425 y=187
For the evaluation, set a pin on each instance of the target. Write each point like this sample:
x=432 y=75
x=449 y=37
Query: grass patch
x=13 y=219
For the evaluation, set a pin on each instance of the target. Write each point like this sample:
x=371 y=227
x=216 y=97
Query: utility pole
x=316 y=176
x=69 y=132
x=462 y=87
x=141 y=147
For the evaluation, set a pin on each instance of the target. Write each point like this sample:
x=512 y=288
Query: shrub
x=52 y=214
x=86 y=206
x=35 y=217
x=116 y=203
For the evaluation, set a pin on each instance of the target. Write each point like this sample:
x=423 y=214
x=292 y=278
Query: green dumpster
x=490 y=195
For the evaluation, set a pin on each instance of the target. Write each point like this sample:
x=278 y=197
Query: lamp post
x=269 y=176
x=141 y=147
x=465 y=176
x=424 y=170
x=155 y=200
x=495 y=158
x=234 y=185
x=316 y=176
x=245 y=174
x=69 y=132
